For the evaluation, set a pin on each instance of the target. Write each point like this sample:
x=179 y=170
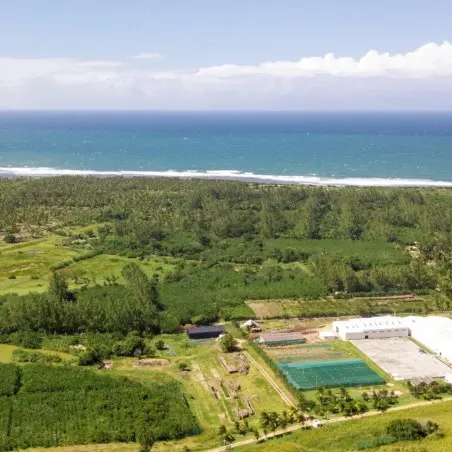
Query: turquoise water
x=395 y=148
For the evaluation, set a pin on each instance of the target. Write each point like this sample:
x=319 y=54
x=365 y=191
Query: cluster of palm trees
x=271 y=420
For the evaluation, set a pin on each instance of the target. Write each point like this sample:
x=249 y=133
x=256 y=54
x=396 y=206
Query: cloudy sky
x=218 y=54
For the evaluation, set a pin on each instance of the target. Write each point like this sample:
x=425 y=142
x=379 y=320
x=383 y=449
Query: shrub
x=406 y=430
x=89 y=357
x=228 y=343
x=26 y=339
x=160 y=345
x=10 y=238
x=23 y=356
x=183 y=367
x=131 y=346
x=12 y=277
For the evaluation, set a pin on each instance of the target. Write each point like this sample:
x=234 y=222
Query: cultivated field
x=288 y=308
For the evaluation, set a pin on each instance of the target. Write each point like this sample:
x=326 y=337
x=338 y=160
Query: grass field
x=343 y=436
x=98 y=268
x=29 y=263
x=25 y=267
x=6 y=353
x=286 y=308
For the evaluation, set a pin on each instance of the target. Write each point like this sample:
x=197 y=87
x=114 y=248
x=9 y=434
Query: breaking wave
x=231 y=175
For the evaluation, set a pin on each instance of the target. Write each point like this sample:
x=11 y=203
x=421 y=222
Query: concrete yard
x=401 y=358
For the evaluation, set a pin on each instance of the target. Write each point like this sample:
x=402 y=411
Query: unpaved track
x=293 y=428
x=287 y=400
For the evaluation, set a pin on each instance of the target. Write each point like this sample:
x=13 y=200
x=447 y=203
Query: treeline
x=108 y=308
x=145 y=210
x=55 y=406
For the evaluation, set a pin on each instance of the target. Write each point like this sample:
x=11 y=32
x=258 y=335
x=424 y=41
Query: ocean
x=364 y=149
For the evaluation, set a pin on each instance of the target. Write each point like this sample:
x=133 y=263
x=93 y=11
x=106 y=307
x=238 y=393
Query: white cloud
x=147 y=56
x=418 y=79
x=429 y=60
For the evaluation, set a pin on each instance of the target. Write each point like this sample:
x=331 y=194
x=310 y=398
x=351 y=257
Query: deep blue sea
x=334 y=148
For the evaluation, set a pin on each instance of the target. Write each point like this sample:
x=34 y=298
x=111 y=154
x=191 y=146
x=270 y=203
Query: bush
x=131 y=346
x=228 y=343
x=183 y=367
x=406 y=430
x=160 y=345
x=26 y=339
x=12 y=277
x=10 y=238
x=23 y=356
x=89 y=357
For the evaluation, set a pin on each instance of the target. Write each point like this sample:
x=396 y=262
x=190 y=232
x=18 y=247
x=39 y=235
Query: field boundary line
x=286 y=399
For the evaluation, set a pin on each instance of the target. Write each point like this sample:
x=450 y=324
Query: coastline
x=37 y=172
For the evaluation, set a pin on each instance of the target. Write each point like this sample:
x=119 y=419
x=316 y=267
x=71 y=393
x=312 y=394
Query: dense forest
x=233 y=241
x=44 y=406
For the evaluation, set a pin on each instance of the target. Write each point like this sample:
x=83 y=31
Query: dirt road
x=293 y=428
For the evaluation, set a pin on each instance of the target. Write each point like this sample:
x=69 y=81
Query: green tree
x=405 y=429
x=58 y=287
x=228 y=343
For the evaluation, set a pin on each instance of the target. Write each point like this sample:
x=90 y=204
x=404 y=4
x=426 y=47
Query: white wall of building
x=372 y=328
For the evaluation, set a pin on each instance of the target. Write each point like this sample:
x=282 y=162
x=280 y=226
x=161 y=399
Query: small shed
x=328 y=335
x=205 y=332
x=448 y=378
x=252 y=326
x=279 y=339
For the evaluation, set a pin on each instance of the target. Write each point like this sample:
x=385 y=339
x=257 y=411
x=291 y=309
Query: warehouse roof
x=373 y=323
x=276 y=337
x=206 y=329
x=435 y=332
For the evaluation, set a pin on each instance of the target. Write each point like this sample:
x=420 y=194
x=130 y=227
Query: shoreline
x=311 y=180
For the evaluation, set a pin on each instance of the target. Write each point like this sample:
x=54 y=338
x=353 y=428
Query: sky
x=226 y=54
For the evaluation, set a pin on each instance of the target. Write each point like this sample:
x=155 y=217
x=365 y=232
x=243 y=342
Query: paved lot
x=401 y=358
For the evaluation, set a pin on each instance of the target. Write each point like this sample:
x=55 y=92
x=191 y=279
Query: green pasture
x=343 y=436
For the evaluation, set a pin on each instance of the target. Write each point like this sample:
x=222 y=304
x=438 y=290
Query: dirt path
x=286 y=399
x=293 y=428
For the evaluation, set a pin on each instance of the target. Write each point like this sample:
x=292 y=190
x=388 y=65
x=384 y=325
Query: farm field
x=205 y=372
x=58 y=405
x=343 y=436
x=267 y=309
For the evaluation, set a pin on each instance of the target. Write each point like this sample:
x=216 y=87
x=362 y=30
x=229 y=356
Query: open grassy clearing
x=29 y=263
x=205 y=366
x=6 y=353
x=25 y=267
x=98 y=268
x=343 y=436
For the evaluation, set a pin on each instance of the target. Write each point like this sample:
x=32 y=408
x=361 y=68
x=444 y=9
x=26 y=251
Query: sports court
x=330 y=374
x=401 y=358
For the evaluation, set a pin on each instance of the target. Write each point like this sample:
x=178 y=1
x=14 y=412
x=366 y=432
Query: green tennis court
x=330 y=374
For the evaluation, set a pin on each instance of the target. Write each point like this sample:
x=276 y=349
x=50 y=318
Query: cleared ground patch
x=402 y=358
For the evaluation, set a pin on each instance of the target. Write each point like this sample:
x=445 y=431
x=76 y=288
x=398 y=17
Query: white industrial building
x=434 y=332
x=371 y=328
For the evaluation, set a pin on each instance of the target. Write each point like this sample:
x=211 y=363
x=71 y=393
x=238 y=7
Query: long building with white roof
x=371 y=328
x=434 y=332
